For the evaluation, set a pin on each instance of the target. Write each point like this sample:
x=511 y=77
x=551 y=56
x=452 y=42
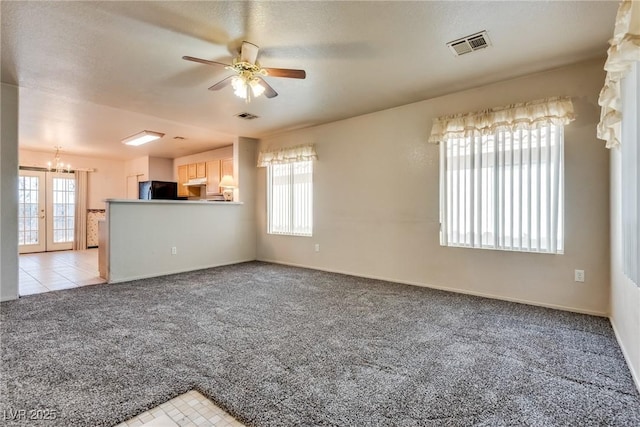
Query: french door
x=46 y=211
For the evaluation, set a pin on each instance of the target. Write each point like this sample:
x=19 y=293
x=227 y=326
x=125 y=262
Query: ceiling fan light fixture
x=256 y=88
x=239 y=87
x=142 y=138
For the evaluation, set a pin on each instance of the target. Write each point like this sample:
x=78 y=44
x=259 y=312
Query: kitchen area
x=208 y=223
x=201 y=176
x=202 y=180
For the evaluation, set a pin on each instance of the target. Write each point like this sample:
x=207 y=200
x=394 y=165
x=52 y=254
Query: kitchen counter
x=178 y=202
x=147 y=238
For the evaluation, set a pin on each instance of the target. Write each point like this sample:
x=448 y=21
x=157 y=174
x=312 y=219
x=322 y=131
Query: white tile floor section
x=52 y=271
x=191 y=409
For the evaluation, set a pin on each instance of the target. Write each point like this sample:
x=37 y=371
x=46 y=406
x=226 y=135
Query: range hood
x=196 y=182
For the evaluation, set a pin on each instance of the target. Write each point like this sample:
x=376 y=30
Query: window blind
x=290 y=198
x=502 y=176
x=504 y=190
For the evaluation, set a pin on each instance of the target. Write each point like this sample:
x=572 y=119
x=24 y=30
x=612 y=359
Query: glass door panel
x=31 y=211
x=60 y=211
x=46 y=211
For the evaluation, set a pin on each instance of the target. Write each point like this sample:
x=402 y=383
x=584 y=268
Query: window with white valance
x=289 y=189
x=620 y=106
x=502 y=176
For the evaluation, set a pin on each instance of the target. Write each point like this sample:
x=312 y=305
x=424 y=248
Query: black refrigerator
x=157 y=190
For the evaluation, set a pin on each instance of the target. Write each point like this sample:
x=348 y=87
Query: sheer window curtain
x=80 y=224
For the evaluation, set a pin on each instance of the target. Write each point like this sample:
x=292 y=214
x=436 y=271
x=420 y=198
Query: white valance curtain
x=624 y=50
x=299 y=153
x=526 y=115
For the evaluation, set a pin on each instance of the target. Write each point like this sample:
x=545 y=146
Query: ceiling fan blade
x=285 y=72
x=222 y=83
x=269 y=92
x=249 y=52
x=204 y=61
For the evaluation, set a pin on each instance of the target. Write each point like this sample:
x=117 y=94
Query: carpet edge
x=448 y=289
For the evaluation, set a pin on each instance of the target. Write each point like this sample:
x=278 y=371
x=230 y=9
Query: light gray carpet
x=281 y=346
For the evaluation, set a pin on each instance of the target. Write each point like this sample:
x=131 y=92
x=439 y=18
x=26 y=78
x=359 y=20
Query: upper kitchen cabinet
x=196 y=170
x=201 y=170
x=183 y=177
x=226 y=167
x=191 y=168
x=213 y=177
x=212 y=171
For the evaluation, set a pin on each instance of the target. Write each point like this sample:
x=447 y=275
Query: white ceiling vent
x=247 y=116
x=470 y=43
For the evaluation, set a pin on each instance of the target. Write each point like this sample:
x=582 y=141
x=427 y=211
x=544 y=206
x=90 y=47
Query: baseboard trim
x=634 y=374
x=448 y=289
x=167 y=273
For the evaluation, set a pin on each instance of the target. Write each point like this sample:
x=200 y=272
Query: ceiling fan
x=248 y=79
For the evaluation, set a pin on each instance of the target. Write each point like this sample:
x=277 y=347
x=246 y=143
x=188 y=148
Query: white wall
x=9 y=193
x=625 y=295
x=376 y=200
x=206 y=234
x=107 y=181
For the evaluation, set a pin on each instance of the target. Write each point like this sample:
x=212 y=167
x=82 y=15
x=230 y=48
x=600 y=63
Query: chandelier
x=57 y=165
x=247 y=82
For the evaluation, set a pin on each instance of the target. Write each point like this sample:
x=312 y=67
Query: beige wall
x=160 y=169
x=8 y=193
x=107 y=181
x=376 y=200
x=625 y=295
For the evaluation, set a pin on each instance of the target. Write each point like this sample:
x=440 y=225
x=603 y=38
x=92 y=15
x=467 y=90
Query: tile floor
x=52 y=271
x=191 y=409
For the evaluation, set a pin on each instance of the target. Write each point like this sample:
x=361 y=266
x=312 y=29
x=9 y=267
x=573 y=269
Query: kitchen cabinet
x=213 y=177
x=216 y=169
x=226 y=167
x=191 y=168
x=201 y=170
x=183 y=177
x=212 y=170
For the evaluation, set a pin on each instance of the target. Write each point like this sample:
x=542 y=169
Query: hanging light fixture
x=247 y=84
x=57 y=165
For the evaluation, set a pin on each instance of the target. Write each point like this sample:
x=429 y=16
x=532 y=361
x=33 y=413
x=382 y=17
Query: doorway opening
x=46 y=211
x=46 y=231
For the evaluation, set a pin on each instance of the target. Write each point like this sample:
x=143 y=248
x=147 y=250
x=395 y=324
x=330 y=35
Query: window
x=290 y=198
x=620 y=102
x=502 y=186
x=630 y=174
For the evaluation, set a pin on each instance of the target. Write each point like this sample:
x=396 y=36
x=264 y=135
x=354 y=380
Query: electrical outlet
x=174 y=250
x=317 y=247
x=578 y=275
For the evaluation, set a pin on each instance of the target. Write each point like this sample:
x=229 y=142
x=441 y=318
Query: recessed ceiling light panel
x=142 y=137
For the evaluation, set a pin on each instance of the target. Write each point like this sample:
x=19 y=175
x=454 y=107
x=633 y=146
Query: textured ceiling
x=92 y=73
